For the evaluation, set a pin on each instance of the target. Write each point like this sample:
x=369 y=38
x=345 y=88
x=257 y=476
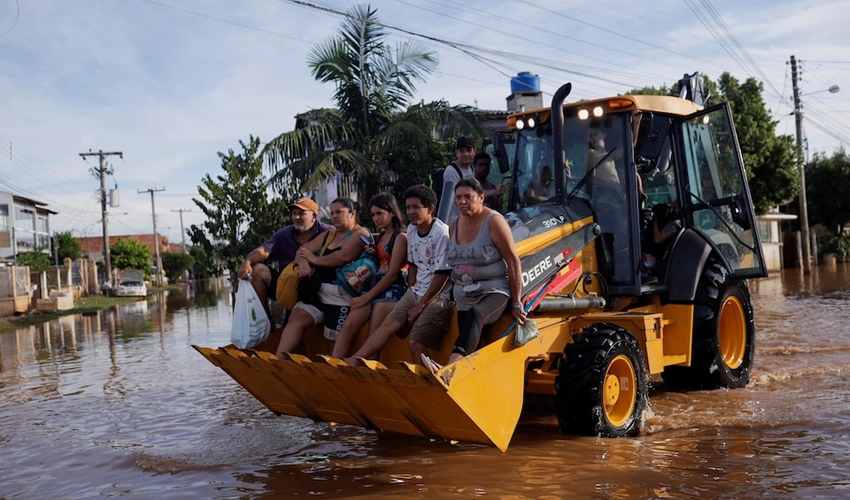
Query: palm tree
x=374 y=86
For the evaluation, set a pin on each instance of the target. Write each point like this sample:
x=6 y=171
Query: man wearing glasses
x=282 y=245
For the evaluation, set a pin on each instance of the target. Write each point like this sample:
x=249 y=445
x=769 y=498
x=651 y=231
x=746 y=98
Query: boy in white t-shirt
x=425 y=310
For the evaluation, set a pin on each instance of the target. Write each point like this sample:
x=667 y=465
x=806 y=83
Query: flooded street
x=119 y=405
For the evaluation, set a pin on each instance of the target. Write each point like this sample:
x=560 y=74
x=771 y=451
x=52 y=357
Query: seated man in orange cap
x=283 y=245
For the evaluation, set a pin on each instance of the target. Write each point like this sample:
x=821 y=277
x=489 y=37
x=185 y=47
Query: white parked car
x=132 y=289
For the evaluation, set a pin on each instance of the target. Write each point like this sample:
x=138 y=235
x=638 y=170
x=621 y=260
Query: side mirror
x=651 y=136
x=503 y=142
x=739 y=211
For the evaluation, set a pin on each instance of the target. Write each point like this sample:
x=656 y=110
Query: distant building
x=772 y=243
x=24 y=225
x=93 y=245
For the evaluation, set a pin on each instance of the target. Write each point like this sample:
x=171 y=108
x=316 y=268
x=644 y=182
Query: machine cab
x=715 y=198
x=636 y=163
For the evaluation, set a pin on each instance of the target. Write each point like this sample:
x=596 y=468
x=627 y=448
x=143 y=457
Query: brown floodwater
x=119 y=405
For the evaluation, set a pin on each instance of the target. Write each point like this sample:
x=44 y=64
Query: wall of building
x=24 y=225
x=772 y=241
x=93 y=245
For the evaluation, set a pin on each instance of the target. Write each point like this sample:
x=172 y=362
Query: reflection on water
x=118 y=403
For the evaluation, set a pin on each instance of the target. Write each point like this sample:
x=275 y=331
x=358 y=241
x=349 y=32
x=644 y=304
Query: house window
x=25 y=240
x=764 y=231
x=42 y=237
x=24 y=219
x=4 y=217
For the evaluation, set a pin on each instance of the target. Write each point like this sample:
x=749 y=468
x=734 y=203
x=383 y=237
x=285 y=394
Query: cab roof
x=669 y=105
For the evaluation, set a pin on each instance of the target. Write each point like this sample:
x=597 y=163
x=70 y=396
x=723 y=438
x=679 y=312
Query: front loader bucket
x=281 y=386
x=477 y=399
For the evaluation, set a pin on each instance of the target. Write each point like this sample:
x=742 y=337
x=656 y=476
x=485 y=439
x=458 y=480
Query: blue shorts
x=391 y=294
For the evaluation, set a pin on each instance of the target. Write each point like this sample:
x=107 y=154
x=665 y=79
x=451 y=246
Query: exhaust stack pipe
x=557 y=117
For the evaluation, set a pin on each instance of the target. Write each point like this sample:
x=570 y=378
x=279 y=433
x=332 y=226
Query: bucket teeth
x=410 y=400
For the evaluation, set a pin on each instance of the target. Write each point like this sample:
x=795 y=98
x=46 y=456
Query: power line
x=823 y=124
x=817 y=118
x=15 y=21
x=606 y=30
x=261 y=30
x=617 y=69
x=34 y=171
x=227 y=21
x=722 y=34
x=466 y=48
x=574 y=71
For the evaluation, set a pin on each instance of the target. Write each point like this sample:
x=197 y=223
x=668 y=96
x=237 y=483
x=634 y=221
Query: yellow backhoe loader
x=634 y=261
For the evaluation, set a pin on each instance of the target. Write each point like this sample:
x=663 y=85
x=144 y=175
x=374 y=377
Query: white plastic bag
x=250 y=322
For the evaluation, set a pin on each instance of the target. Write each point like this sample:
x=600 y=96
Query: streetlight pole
x=158 y=280
x=182 y=231
x=801 y=162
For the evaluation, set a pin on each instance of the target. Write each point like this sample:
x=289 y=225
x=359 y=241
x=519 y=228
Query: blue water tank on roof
x=525 y=82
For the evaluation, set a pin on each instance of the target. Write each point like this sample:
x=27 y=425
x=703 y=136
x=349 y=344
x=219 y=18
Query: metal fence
x=78 y=277
x=14 y=282
x=75 y=277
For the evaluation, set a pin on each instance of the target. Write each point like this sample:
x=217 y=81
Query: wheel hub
x=733 y=333
x=611 y=393
x=619 y=390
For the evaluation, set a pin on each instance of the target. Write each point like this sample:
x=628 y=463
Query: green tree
x=414 y=165
x=240 y=211
x=374 y=85
x=663 y=90
x=36 y=260
x=828 y=190
x=768 y=158
x=128 y=253
x=204 y=265
x=67 y=246
x=174 y=263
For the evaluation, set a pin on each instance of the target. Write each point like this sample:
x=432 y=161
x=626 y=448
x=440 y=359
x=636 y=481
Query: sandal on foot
x=430 y=363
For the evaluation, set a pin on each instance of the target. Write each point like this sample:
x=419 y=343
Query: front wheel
x=723 y=338
x=601 y=386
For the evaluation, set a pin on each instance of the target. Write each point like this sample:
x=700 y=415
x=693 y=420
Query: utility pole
x=182 y=231
x=155 y=237
x=101 y=171
x=801 y=163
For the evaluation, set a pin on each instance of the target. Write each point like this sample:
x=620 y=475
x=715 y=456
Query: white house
x=24 y=225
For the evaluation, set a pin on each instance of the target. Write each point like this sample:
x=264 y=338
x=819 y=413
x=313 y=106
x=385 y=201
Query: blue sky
x=171 y=82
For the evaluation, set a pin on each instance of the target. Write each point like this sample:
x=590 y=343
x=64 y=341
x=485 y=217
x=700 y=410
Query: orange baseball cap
x=306 y=204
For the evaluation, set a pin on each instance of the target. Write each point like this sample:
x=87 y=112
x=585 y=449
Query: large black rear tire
x=724 y=335
x=601 y=385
